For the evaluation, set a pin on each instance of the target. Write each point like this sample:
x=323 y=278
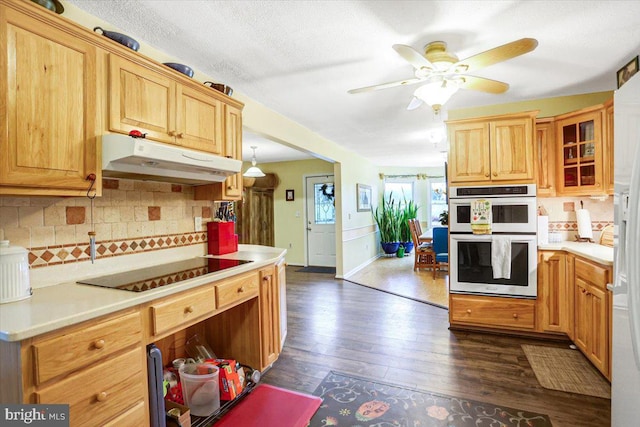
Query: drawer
x=135 y=416
x=82 y=346
x=181 y=310
x=99 y=392
x=237 y=289
x=493 y=311
x=591 y=273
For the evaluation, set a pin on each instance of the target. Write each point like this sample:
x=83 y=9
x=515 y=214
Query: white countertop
x=592 y=251
x=68 y=303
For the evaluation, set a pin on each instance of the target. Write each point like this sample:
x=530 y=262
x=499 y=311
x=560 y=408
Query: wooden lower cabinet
x=510 y=313
x=593 y=313
x=555 y=296
x=99 y=367
x=269 y=316
x=282 y=290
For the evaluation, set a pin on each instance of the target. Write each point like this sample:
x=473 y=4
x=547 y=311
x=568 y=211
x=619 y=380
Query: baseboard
x=358 y=268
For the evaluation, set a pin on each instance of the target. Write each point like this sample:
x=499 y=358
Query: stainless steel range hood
x=138 y=158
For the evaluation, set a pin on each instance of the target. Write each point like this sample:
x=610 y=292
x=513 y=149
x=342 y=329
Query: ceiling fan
x=443 y=73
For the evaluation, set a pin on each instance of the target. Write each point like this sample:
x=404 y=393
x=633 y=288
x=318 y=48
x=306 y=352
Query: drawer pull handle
x=189 y=309
x=98 y=344
x=468 y=311
x=102 y=396
x=515 y=315
x=241 y=289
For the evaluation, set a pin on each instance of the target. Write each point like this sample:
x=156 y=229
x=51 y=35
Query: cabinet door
x=511 y=150
x=469 y=156
x=546 y=155
x=282 y=293
x=554 y=293
x=607 y=149
x=270 y=316
x=199 y=120
x=579 y=165
x=598 y=333
x=582 y=315
x=48 y=115
x=233 y=149
x=142 y=99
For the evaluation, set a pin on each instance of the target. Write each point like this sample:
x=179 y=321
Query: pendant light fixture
x=253 y=171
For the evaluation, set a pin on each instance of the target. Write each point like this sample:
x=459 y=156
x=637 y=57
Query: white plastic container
x=201 y=392
x=14 y=273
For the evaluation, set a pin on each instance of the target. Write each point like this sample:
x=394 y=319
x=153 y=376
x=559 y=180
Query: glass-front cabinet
x=580 y=158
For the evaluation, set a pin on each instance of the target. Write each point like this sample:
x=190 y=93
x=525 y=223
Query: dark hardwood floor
x=342 y=326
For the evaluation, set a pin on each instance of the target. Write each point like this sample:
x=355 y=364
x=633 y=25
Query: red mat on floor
x=269 y=406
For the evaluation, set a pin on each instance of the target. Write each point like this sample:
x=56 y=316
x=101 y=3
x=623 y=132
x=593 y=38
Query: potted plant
x=444 y=218
x=389 y=216
x=410 y=211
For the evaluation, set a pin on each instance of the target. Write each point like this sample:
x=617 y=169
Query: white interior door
x=321 y=221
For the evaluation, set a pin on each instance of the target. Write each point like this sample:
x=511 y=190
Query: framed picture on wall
x=626 y=72
x=364 y=197
x=289 y=195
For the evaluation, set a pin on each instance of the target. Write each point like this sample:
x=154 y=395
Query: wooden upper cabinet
x=546 y=155
x=48 y=85
x=142 y=99
x=199 y=120
x=579 y=149
x=492 y=149
x=469 y=156
x=607 y=147
x=231 y=188
x=148 y=99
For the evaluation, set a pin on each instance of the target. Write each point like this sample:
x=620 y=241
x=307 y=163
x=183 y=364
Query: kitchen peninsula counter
x=57 y=306
x=591 y=251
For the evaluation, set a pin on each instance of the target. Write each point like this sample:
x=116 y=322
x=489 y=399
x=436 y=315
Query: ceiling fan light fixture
x=436 y=94
x=253 y=171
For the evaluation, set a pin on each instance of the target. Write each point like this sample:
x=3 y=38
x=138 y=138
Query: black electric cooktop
x=148 y=278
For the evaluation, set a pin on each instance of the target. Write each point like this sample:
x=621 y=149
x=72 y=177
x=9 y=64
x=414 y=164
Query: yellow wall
x=289 y=216
x=548 y=107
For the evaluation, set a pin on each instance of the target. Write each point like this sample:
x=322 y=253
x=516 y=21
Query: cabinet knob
x=189 y=309
x=230 y=187
x=180 y=135
x=515 y=315
x=241 y=289
x=468 y=311
x=102 y=396
x=98 y=344
x=486 y=175
x=172 y=133
x=495 y=174
x=583 y=290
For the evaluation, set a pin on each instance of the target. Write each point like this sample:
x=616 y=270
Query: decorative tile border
x=573 y=225
x=63 y=254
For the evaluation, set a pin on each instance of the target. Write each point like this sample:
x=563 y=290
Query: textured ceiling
x=299 y=58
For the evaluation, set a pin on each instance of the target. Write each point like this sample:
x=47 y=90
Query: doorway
x=321 y=221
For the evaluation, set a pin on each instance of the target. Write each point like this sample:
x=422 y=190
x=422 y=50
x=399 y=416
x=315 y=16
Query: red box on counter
x=221 y=238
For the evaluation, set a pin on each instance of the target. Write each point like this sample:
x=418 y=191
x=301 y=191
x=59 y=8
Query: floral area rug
x=357 y=402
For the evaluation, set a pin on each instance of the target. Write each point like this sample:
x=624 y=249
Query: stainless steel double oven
x=514 y=215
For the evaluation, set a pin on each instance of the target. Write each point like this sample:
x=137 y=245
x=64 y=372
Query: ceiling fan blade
x=415 y=103
x=386 y=85
x=412 y=56
x=495 y=55
x=482 y=84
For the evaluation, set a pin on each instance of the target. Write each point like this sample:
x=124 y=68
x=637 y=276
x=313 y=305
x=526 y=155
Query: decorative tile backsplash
x=562 y=215
x=131 y=217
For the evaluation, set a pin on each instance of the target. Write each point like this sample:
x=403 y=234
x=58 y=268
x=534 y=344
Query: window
x=438 y=200
x=401 y=191
x=325 y=210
